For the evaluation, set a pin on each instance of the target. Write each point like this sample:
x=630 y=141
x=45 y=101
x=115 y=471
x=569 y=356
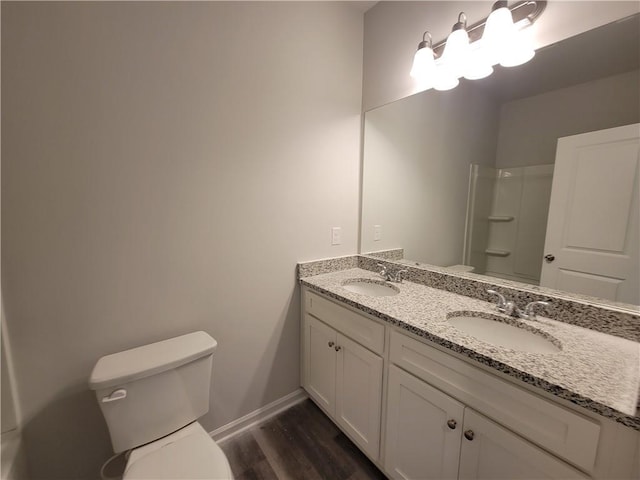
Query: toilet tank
x=151 y=391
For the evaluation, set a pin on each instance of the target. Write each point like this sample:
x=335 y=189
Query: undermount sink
x=496 y=331
x=370 y=287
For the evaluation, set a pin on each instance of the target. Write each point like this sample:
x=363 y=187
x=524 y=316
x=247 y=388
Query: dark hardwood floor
x=300 y=443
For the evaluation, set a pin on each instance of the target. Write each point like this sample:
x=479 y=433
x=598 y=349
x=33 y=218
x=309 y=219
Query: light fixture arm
x=425 y=43
x=462 y=22
x=528 y=10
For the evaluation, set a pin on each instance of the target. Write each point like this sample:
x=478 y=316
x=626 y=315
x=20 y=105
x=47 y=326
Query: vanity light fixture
x=472 y=52
x=424 y=65
x=457 y=50
x=424 y=68
x=502 y=41
x=479 y=65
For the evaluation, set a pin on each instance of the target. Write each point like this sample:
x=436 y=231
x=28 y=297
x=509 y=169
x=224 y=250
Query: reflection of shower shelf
x=497 y=253
x=500 y=218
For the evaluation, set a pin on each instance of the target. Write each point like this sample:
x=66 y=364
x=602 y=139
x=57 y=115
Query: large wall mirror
x=530 y=175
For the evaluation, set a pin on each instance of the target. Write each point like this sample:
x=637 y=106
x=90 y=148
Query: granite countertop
x=594 y=370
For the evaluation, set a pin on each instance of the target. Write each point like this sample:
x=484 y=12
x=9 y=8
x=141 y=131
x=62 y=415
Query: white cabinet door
x=320 y=362
x=491 y=452
x=359 y=394
x=592 y=230
x=423 y=429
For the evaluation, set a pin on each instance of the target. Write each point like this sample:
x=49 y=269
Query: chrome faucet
x=529 y=311
x=390 y=277
x=385 y=273
x=400 y=275
x=508 y=307
x=503 y=306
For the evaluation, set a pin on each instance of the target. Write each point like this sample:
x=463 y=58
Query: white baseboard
x=260 y=415
x=14 y=462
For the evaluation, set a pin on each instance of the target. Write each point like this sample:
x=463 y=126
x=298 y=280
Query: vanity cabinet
x=430 y=435
x=320 y=362
x=491 y=452
x=423 y=429
x=340 y=374
x=562 y=432
x=422 y=412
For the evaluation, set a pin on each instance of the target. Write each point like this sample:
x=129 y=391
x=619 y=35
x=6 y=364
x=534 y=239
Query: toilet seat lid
x=188 y=453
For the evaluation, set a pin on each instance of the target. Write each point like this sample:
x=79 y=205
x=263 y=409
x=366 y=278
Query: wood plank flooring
x=300 y=443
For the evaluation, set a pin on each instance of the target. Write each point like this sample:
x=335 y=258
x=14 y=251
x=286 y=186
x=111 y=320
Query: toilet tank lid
x=140 y=362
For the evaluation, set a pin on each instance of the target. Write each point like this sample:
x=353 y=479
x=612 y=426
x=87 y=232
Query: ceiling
x=362 y=6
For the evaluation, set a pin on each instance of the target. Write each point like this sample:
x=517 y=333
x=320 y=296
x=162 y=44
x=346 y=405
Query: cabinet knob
x=469 y=435
x=452 y=424
x=338 y=348
x=331 y=344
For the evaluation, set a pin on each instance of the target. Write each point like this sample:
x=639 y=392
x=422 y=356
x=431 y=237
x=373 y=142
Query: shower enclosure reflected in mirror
x=463 y=178
x=506 y=221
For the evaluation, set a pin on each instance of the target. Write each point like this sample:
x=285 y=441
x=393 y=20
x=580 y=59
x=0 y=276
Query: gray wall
x=417 y=154
x=530 y=127
x=164 y=168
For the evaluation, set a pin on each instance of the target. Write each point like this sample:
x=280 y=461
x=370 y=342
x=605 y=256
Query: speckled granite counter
x=596 y=371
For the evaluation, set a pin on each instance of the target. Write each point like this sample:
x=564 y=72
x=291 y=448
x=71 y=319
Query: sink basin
x=370 y=287
x=516 y=336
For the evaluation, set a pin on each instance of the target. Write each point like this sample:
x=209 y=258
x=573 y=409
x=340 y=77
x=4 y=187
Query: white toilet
x=150 y=397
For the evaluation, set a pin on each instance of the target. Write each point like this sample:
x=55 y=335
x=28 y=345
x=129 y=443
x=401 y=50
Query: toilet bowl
x=188 y=453
x=151 y=397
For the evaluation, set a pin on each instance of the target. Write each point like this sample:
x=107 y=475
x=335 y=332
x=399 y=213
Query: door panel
x=604 y=174
x=359 y=394
x=588 y=284
x=320 y=362
x=495 y=453
x=593 y=223
x=419 y=443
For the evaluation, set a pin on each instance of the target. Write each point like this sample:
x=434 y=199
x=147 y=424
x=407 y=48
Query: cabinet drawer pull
x=338 y=348
x=452 y=424
x=331 y=344
x=469 y=435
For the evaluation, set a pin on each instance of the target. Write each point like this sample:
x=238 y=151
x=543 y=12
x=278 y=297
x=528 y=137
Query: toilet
x=151 y=397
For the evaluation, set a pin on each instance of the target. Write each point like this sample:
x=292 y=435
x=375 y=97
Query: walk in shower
x=506 y=221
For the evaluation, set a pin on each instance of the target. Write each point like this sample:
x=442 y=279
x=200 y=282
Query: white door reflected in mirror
x=592 y=231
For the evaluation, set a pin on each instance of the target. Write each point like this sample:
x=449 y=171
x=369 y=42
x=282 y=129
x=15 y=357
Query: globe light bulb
x=424 y=64
x=502 y=41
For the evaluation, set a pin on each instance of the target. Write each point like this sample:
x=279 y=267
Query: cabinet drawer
x=359 y=328
x=557 y=429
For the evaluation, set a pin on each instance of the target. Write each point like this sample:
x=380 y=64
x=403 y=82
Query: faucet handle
x=501 y=300
x=503 y=306
x=529 y=310
x=400 y=274
x=384 y=273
